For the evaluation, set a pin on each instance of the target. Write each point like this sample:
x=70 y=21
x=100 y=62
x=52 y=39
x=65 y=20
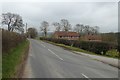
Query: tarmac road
x=49 y=61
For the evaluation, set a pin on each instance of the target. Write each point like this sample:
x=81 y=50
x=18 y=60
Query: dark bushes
x=11 y=40
x=96 y=47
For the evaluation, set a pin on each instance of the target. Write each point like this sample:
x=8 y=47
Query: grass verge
x=11 y=62
x=110 y=54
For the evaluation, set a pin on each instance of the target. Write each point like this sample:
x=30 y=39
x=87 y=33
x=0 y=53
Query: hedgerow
x=92 y=46
x=10 y=40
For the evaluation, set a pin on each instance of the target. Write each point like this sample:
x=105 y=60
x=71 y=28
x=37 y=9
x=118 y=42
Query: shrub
x=11 y=40
x=113 y=53
x=96 y=47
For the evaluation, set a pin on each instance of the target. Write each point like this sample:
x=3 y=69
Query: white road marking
x=55 y=54
x=86 y=76
x=42 y=45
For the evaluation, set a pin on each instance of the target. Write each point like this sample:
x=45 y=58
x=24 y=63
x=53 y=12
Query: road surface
x=49 y=61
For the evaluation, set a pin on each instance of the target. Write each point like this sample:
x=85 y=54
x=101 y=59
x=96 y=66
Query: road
x=49 y=61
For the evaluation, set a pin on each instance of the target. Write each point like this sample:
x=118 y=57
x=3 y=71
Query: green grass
x=12 y=60
x=114 y=53
x=110 y=54
x=74 y=48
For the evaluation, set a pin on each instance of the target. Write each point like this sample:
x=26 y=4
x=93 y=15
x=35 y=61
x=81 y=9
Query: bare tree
x=13 y=21
x=96 y=29
x=87 y=29
x=65 y=24
x=57 y=26
x=18 y=23
x=79 y=28
x=21 y=30
x=7 y=18
x=91 y=30
x=44 y=27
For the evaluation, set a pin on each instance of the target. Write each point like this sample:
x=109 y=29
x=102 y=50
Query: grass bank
x=13 y=61
x=110 y=53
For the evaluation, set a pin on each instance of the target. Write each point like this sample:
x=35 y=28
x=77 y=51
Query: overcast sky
x=102 y=14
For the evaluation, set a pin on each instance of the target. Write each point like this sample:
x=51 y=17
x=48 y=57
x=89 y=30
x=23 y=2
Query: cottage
x=66 y=35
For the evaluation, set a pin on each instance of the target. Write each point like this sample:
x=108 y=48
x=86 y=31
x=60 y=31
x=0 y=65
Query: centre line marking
x=42 y=45
x=55 y=54
x=86 y=76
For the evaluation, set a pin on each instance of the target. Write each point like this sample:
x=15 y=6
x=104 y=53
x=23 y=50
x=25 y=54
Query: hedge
x=11 y=40
x=92 y=46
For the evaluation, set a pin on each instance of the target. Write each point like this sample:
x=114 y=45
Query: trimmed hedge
x=92 y=46
x=11 y=40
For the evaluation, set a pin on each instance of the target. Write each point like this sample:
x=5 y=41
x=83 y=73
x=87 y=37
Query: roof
x=64 y=33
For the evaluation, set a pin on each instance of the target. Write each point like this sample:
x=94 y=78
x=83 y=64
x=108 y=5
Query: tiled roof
x=64 y=33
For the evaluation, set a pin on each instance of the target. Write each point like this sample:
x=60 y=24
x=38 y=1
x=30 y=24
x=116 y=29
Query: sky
x=102 y=14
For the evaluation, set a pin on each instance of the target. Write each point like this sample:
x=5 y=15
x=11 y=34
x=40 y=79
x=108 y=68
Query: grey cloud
x=102 y=14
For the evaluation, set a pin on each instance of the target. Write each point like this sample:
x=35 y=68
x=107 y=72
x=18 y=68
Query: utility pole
x=26 y=27
x=26 y=30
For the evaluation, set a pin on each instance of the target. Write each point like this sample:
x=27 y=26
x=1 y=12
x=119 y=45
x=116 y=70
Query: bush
x=11 y=40
x=113 y=53
x=96 y=47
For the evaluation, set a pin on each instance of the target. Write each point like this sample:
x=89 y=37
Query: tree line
x=64 y=25
x=15 y=22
